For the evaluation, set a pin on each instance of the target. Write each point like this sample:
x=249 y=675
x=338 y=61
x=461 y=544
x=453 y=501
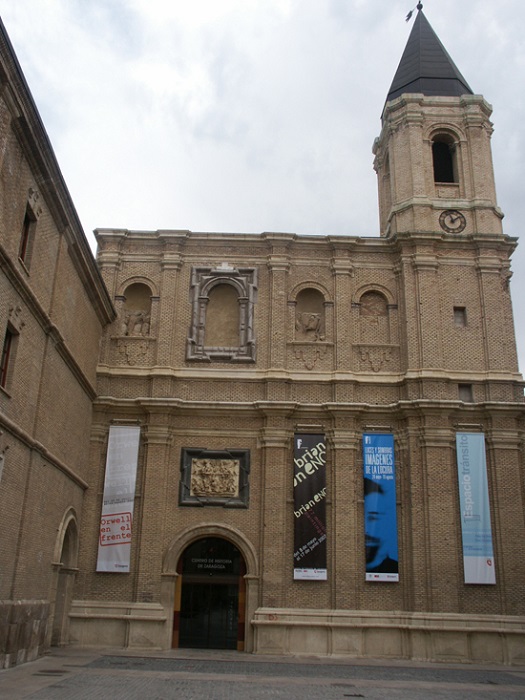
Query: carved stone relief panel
x=376 y=358
x=135 y=323
x=133 y=351
x=373 y=304
x=214 y=477
x=309 y=355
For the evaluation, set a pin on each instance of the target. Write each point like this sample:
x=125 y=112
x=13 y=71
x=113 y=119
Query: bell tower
x=433 y=158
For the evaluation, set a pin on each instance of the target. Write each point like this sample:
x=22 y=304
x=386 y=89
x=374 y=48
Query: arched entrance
x=64 y=572
x=209 y=610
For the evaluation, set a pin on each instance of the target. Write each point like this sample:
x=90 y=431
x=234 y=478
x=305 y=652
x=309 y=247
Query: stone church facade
x=222 y=348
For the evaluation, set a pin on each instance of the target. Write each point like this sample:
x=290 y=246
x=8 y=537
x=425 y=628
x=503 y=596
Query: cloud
x=249 y=115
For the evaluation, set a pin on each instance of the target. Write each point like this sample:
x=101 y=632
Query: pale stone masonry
x=220 y=347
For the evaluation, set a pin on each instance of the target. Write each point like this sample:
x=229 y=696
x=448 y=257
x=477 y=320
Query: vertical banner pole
x=309 y=507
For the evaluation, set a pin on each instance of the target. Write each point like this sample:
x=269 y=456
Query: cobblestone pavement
x=80 y=674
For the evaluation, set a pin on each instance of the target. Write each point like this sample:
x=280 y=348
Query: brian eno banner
x=380 y=507
x=114 y=546
x=309 y=488
x=476 y=533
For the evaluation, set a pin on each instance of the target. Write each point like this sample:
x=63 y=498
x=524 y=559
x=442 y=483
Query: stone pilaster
x=148 y=531
x=277 y=476
x=343 y=272
x=347 y=556
x=278 y=266
x=168 y=323
x=498 y=329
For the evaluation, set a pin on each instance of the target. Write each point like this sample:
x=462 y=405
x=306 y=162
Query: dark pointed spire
x=426 y=67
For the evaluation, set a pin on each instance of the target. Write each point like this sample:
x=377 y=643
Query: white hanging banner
x=114 y=547
x=478 y=553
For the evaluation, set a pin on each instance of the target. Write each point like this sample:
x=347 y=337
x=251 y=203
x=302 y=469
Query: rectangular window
x=27 y=237
x=7 y=356
x=465 y=393
x=460 y=316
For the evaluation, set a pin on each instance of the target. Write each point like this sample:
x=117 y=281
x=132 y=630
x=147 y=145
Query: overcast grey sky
x=251 y=115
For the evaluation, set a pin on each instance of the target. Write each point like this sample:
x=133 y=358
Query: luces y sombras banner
x=309 y=507
x=380 y=507
x=476 y=532
x=114 y=546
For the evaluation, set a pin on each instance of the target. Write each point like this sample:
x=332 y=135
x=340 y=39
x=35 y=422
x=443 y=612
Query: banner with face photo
x=309 y=507
x=476 y=531
x=380 y=507
x=114 y=546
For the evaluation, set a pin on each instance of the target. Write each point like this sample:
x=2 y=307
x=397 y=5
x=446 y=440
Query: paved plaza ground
x=184 y=674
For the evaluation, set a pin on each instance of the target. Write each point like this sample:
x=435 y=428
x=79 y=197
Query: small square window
x=460 y=316
x=465 y=393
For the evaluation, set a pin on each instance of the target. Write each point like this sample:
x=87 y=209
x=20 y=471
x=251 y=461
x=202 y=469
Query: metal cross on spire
x=418 y=7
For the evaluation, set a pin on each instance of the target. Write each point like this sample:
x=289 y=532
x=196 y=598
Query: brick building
x=233 y=357
x=53 y=306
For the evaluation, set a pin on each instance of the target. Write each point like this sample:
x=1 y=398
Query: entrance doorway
x=210 y=596
x=62 y=584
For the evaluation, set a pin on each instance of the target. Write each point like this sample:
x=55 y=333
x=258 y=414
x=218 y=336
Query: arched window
x=444 y=159
x=222 y=318
x=310 y=316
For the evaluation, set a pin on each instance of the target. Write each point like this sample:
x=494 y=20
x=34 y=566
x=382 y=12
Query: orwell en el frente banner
x=114 y=545
x=309 y=507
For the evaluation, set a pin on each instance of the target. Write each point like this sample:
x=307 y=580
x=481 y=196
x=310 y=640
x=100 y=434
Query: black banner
x=309 y=507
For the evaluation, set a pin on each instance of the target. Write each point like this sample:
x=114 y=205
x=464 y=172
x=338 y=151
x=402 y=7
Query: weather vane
x=419 y=7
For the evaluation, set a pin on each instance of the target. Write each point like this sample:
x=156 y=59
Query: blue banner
x=380 y=507
x=476 y=532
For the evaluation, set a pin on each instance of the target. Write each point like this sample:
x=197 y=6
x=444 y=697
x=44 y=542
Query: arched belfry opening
x=444 y=159
x=209 y=610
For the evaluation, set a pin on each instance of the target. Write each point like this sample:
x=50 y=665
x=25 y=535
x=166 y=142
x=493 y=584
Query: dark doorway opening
x=209 y=600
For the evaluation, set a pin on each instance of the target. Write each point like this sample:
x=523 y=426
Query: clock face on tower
x=452 y=221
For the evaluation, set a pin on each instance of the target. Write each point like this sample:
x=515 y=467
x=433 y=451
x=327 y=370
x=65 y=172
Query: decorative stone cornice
x=342 y=267
x=275 y=438
x=278 y=263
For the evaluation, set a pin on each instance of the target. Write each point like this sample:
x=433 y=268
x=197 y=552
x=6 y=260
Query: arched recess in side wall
x=176 y=550
x=64 y=565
